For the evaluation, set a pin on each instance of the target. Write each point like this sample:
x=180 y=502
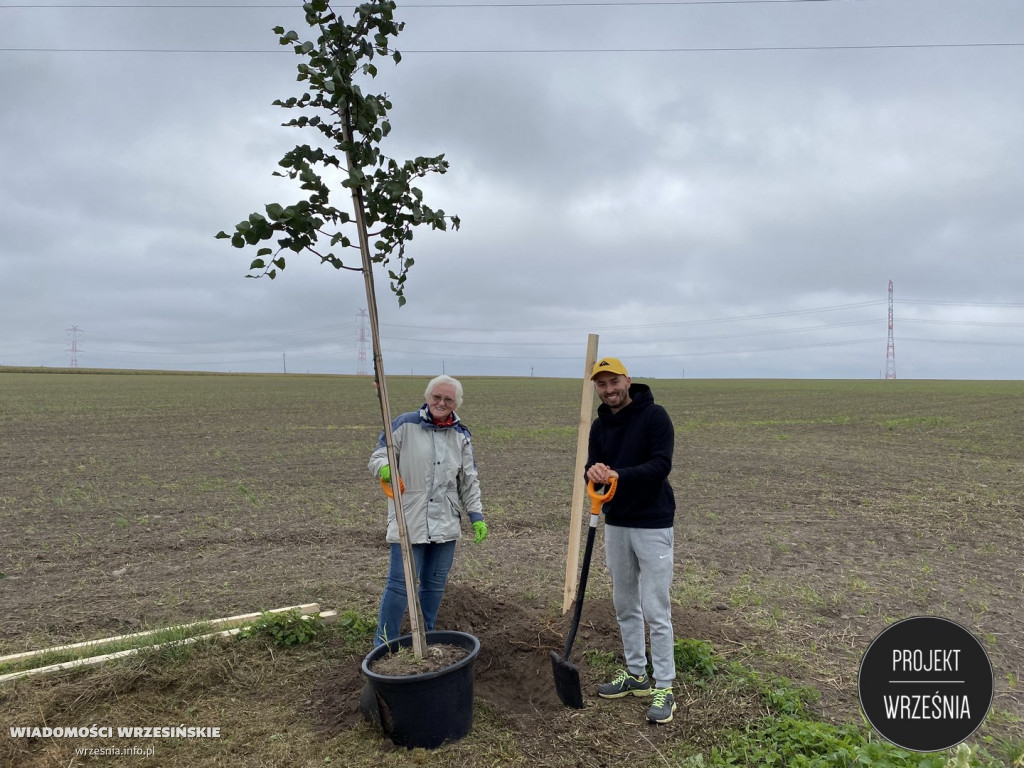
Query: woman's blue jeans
x=432 y=562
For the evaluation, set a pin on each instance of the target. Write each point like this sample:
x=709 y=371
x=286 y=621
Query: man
x=633 y=439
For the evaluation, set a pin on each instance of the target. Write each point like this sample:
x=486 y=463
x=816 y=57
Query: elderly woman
x=437 y=469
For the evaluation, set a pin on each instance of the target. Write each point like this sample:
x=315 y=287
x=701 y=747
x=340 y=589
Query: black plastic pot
x=422 y=710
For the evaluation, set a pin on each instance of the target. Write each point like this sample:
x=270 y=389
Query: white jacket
x=436 y=465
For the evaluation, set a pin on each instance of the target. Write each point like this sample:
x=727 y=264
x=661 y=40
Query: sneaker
x=662 y=706
x=625 y=684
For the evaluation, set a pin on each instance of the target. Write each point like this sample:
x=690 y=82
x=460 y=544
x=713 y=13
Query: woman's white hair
x=445 y=380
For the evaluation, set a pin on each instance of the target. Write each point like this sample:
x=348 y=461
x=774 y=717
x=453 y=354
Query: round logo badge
x=925 y=684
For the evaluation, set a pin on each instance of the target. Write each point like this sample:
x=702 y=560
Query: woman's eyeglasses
x=437 y=400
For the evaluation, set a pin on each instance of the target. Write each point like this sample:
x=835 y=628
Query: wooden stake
x=228 y=621
x=579 y=485
x=327 y=617
x=419 y=634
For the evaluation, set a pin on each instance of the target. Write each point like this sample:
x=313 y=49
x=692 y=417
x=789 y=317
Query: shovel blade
x=567 y=681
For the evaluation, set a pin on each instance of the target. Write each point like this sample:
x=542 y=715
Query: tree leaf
x=350 y=124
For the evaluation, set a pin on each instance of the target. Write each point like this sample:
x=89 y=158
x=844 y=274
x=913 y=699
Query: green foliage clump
x=355 y=629
x=285 y=628
x=696 y=657
x=787 y=699
x=790 y=736
x=799 y=742
x=605 y=661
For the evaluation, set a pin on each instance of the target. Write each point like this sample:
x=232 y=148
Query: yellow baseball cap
x=609 y=365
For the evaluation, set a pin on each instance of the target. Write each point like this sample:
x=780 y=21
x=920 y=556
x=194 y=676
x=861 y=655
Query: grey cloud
x=638 y=195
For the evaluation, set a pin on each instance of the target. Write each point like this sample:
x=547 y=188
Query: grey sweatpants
x=640 y=562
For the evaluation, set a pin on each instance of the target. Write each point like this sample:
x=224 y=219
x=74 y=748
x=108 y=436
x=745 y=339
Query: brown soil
x=513 y=674
x=811 y=516
x=405 y=663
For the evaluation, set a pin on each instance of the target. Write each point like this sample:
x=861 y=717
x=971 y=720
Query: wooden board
x=579 y=485
x=327 y=617
x=224 y=623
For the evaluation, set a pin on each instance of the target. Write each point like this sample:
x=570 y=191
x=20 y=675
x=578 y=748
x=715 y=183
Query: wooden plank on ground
x=229 y=621
x=327 y=617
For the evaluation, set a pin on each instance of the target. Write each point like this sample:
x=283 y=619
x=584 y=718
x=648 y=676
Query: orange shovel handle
x=389 y=491
x=597 y=499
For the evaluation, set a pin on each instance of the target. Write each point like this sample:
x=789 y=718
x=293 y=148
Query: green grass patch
x=790 y=735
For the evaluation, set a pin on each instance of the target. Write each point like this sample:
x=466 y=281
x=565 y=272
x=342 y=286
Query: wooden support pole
x=416 y=621
x=327 y=617
x=579 y=485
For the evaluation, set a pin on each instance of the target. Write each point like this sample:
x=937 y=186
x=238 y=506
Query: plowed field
x=812 y=514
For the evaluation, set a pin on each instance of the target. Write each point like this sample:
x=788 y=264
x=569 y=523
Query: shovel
x=567 y=674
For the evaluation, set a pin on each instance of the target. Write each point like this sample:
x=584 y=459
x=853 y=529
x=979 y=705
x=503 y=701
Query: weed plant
x=790 y=735
x=285 y=628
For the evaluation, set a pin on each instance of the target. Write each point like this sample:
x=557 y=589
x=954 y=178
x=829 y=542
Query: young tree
x=355 y=123
x=386 y=207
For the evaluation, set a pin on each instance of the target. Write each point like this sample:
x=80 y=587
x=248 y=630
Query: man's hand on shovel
x=601 y=474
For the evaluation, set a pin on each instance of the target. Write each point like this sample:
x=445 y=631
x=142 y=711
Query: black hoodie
x=636 y=442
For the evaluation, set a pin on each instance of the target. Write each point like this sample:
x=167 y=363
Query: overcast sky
x=716 y=189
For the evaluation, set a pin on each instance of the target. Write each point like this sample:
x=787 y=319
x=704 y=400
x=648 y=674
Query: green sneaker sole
x=664 y=720
x=641 y=692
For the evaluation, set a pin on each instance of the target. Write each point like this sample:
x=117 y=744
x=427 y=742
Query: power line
x=467 y=51
x=961 y=322
x=967 y=342
x=963 y=303
x=343 y=328
x=689 y=353
x=724 y=49
x=251 y=6
x=687 y=339
x=331 y=346
x=334 y=332
x=592 y=329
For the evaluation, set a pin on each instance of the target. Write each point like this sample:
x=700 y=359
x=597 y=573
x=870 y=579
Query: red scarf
x=446 y=423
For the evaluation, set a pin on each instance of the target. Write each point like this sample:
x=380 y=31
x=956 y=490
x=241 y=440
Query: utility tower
x=361 y=342
x=74 y=330
x=890 y=349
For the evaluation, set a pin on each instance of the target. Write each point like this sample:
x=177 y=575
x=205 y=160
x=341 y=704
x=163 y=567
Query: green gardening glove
x=385 y=473
x=479 y=531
